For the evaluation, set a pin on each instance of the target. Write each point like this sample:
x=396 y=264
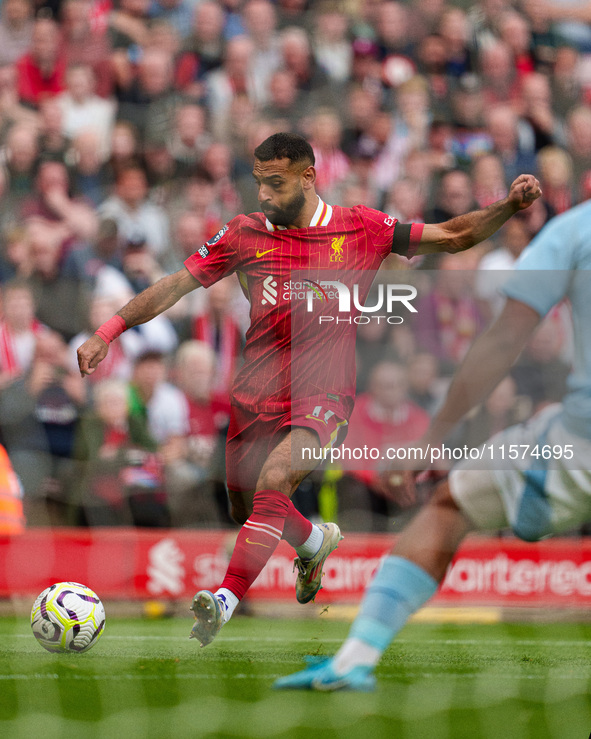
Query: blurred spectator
x=189 y=235
x=201 y=198
x=504 y=130
x=579 y=145
x=297 y=57
x=12 y=111
x=366 y=69
x=83 y=110
x=332 y=48
x=203 y=49
x=124 y=147
x=535 y=102
x=38 y=416
x=393 y=29
x=16 y=30
x=51 y=201
x=148 y=101
x=498 y=74
x=412 y=115
x=406 y=201
x=555 y=168
x=332 y=166
x=470 y=137
x=454 y=31
x=19 y=329
x=371 y=348
x=194 y=491
x=189 y=139
x=177 y=13
x=447 y=319
x=516 y=33
x=566 y=81
x=426 y=17
x=234 y=77
x=386 y=151
x=61 y=300
x=52 y=140
x=163 y=173
x=159 y=403
x=89 y=176
x=488 y=178
x=217 y=163
x=362 y=107
x=485 y=17
x=217 y=326
x=20 y=155
x=15 y=260
x=438 y=155
x=136 y=217
x=138 y=264
x=260 y=19
x=424 y=387
x=84 y=45
x=128 y=32
x=119 y=480
x=383 y=417
x=431 y=59
x=284 y=97
x=571 y=19
x=41 y=71
x=454 y=197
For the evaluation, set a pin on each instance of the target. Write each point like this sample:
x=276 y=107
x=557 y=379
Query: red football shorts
x=253 y=436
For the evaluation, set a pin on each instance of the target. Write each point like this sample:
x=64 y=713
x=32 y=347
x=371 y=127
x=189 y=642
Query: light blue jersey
x=557 y=265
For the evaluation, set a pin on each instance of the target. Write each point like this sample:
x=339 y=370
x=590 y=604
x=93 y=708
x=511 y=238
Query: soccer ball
x=67 y=617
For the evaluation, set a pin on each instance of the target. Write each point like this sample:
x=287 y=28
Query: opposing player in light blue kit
x=536 y=497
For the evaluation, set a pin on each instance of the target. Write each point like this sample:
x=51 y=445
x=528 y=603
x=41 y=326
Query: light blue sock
x=398 y=589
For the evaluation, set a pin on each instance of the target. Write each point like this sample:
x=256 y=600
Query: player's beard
x=288 y=214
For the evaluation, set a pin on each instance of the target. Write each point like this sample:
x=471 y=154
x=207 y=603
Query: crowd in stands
x=126 y=136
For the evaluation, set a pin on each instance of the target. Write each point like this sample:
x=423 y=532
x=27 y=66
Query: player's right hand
x=90 y=354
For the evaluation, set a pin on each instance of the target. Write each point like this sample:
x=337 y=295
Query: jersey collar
x=321 y=217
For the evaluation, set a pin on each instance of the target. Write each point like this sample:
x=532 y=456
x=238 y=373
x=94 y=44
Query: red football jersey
x=288 y=356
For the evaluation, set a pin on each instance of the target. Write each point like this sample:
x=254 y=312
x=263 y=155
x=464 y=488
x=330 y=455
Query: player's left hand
x=523 y=191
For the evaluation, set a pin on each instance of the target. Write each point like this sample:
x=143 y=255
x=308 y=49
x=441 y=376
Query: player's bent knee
x=274 y=478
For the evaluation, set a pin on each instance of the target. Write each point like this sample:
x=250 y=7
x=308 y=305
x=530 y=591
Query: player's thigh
x=288 y=464
x=478 y=495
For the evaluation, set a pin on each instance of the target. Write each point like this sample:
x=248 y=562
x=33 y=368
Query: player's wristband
x=110 y=330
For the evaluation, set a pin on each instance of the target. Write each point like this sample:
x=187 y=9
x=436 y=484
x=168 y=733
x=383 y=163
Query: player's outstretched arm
x=468 y=230
x=147 y=305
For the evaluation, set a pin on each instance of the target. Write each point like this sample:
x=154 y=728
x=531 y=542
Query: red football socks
x=297 y=528
x=257 y=540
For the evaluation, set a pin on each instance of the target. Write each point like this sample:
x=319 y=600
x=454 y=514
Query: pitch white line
x=273 y=676
x=332 y=640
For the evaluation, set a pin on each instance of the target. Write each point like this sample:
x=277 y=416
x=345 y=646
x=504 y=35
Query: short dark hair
x=290 y=146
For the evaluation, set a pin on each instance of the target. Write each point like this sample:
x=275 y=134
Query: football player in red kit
x=272 y=423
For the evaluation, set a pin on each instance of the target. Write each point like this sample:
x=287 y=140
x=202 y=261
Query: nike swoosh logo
x=260 y=254
x=258 y=543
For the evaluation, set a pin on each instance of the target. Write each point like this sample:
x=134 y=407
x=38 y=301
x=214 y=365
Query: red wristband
x=110 y=330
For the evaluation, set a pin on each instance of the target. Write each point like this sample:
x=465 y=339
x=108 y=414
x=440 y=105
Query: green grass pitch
x=146 y=679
